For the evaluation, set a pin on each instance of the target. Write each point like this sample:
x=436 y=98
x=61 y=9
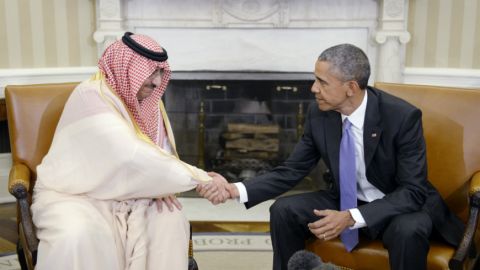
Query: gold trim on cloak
x=168 y=126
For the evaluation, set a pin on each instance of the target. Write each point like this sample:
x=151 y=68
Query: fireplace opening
x=247 y=150
x=240 y=128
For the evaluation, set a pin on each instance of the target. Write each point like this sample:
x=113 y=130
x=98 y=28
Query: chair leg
x=192 y=264
x=477 y=265
x=21 y=256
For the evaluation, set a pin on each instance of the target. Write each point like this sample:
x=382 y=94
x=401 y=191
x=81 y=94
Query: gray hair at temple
x=348 y=63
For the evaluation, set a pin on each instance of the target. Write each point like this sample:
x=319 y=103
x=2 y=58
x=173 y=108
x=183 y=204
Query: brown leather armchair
x=451 y=121
x=33 y=112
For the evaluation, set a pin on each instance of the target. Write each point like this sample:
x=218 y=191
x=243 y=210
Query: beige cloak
x=93 y=201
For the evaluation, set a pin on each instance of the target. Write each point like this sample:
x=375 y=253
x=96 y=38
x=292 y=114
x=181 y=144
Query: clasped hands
x=218 y=190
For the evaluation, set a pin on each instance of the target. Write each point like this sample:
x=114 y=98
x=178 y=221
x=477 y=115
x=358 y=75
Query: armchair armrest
x=467 y=244
x=475 y=184
x=19 y=180
x=18 y=186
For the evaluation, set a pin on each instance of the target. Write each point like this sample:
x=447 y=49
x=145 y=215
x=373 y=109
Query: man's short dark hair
x=348 y=62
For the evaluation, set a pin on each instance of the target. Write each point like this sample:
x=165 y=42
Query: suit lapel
x=333 y=134
x=371 y=130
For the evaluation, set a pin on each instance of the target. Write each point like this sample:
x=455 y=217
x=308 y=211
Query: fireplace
x=237 y=125
x=229 y=55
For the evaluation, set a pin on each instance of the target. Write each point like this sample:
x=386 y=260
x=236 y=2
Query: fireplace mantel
x=263 y=35
x=251 y=75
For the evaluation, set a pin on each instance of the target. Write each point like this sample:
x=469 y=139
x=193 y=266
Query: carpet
x=233 y=251
x=212 y=251
x=9 y=262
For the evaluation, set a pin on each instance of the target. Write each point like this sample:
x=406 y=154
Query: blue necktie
x=348 y=182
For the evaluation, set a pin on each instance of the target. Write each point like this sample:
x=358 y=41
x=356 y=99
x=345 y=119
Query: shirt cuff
x=359 y=220
x=242 y=191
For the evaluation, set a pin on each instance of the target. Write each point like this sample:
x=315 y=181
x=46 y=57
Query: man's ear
x=353 y=88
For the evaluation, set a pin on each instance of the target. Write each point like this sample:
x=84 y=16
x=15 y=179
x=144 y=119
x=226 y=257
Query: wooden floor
x=8 y=228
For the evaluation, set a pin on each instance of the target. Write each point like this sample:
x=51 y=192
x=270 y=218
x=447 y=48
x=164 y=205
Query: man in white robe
x=95 y=203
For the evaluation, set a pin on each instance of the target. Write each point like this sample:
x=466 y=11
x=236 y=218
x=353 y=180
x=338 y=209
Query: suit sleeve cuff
x=242 y=191
x=359 y=220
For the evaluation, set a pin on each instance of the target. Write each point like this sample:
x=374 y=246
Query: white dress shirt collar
x=357 y=117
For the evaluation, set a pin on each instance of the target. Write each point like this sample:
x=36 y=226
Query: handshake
x=218 y=190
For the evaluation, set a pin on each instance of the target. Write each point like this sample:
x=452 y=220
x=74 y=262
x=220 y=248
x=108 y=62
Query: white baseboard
x=43 y=75
x=199 y=209
x=5 y=165
x=451 y=77
x=7 y=199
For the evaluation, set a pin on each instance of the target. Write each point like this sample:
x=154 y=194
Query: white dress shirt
x=365 y=191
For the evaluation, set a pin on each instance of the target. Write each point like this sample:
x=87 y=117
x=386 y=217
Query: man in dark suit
x=373 y=146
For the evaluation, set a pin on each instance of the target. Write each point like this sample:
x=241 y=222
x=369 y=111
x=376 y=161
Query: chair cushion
x=370 y=254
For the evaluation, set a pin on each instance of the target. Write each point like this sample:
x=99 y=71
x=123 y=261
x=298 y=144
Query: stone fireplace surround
x=261 y=35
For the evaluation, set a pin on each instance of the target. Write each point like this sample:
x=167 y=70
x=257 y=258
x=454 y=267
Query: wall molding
x=43 y=75
x=432 y=76
x=451 y=77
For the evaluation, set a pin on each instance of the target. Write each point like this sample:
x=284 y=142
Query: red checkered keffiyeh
x=125 y=71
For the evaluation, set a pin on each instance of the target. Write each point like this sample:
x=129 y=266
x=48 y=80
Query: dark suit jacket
x=395 y=161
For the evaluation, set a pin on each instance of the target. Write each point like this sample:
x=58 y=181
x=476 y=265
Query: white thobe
x=93 y=204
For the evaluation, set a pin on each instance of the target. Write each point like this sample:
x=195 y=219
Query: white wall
x=5 y=164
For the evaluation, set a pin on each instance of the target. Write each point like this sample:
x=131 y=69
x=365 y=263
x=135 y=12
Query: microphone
x=306 y=260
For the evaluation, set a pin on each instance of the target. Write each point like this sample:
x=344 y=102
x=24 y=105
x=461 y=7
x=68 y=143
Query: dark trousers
x=406 y=237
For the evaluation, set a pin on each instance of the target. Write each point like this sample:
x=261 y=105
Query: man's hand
x=170 y=201
x=215 y=191
x=332 y=223
x=233 y=191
